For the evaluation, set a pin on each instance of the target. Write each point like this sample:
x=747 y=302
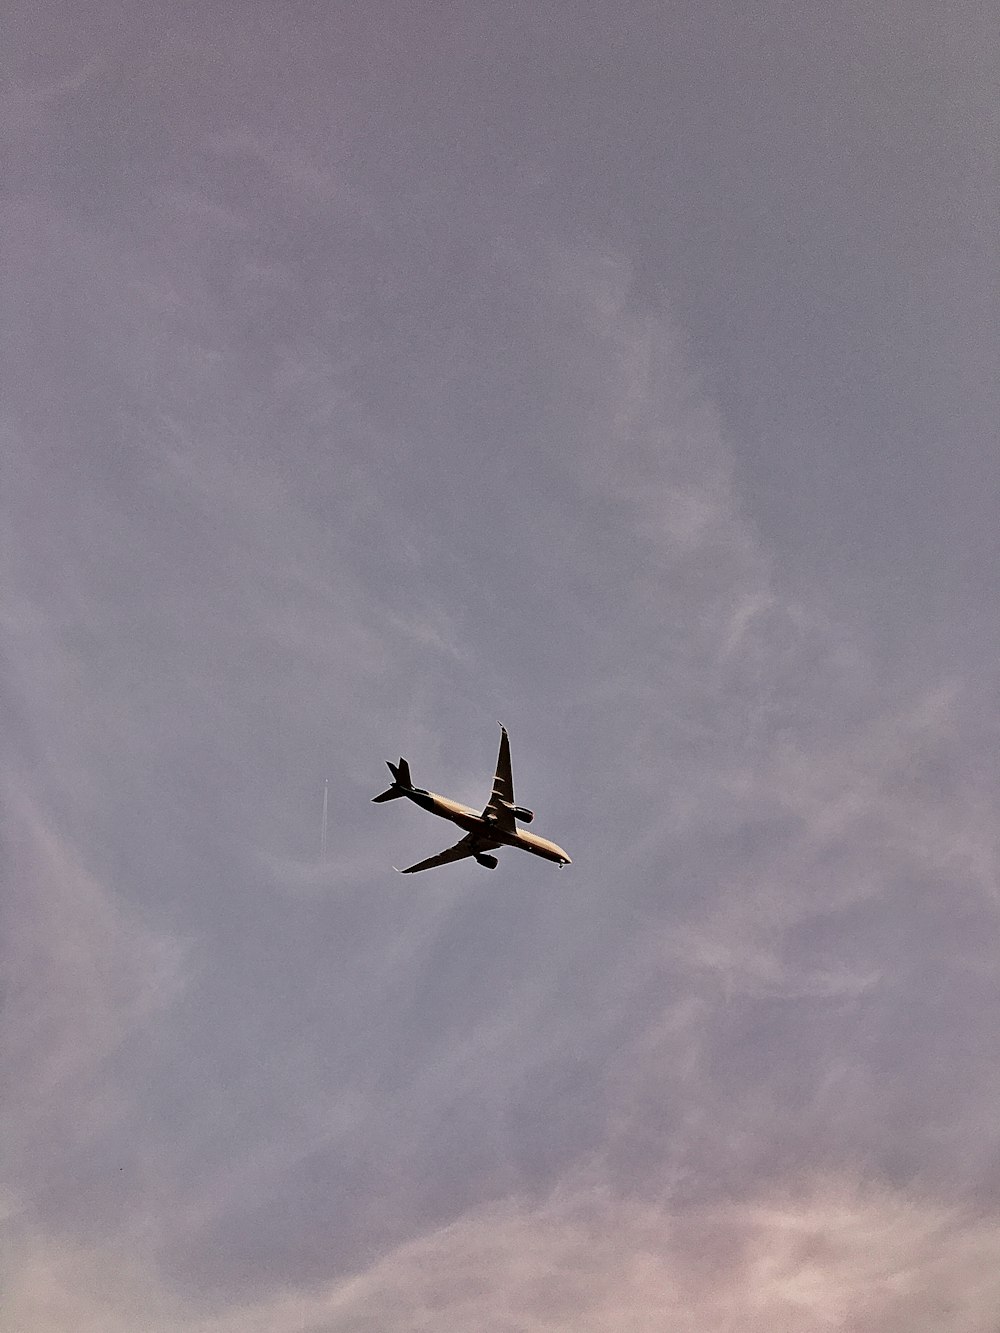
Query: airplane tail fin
x=401 y=783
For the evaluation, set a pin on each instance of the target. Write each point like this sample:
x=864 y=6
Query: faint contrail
x=326 y=807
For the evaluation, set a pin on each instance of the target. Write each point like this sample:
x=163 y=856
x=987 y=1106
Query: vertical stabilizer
x=401 y=783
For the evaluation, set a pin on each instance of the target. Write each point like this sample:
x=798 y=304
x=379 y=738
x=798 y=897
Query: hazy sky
x=371 y=372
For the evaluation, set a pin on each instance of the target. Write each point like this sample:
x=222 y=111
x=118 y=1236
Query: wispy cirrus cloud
x=313 y=457
x=832 y=1254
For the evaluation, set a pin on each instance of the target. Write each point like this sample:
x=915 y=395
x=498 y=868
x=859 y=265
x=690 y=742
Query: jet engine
x=484 y=859
x=522 y=813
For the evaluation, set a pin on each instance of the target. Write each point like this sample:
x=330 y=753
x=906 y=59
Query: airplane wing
x=499 y=806
x=456 y=853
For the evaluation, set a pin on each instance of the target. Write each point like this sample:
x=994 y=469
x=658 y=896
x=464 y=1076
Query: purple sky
x=373 y=372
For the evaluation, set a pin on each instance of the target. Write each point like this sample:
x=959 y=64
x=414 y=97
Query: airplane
x=495 y=827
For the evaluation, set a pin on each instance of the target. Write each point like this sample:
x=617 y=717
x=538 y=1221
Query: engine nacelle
x=520 y=812
x=484 y=859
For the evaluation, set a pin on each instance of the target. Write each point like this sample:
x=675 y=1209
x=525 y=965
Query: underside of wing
x=501 y=802
x=467 y=847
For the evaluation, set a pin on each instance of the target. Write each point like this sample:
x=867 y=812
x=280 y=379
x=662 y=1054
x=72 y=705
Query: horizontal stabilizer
x=393 y=794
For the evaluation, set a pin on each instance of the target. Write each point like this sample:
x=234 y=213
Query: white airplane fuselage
x=473 y=821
